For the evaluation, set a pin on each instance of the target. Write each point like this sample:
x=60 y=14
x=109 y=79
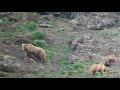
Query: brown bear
x=97 y=68
x=35 y=51
x=110 y=60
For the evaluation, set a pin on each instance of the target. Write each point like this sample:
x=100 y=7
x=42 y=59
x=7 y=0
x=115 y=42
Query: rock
x=8 y=65
x=68 y=15
x=43 y=13
x=18 y=16
x=97 y=21
x=24 y=38
x=81 y=42
x=49 y=40
x=77 y=43
x=12 y=64
x=1 y=58
x=13 y=18
x=74 y=22
x=26 y=16
x=45 y=25
x=73 y=58
x=83 y=57
x=100 y=24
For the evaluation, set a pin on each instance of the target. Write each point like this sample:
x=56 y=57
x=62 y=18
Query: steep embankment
x=73 y=42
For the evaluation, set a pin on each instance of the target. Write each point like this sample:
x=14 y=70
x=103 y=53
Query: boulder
x=97 y=21
x=24 y=38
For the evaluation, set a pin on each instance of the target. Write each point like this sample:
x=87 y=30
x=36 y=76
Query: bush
x=4 y=20
x=78 y=66
x=21 y=28
x=39 y=35
x=32 y=26
x=40 y=43
x=110 y=33
x=50 y=54
x=64 y=60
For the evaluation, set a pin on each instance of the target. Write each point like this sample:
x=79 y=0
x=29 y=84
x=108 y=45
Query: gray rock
x=24 y=38
x=97 y=21
x=45 y=25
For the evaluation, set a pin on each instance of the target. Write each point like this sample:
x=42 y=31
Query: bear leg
x=101 y=71
x=94 y=72
x=29 y=54
x=42 y=61
x=104 y=70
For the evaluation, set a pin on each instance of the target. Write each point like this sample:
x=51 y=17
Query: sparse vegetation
x=20 y=29
x=31 y=26
x=7 y=36
x=40 y=43
x=39 y=35
x=111 y=33
x=4 y=20
x=50 y=53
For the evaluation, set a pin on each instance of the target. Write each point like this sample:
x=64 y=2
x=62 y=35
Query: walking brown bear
x=97 y=68
x=35 y=51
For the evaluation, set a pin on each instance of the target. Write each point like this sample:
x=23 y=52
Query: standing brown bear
x=34 y=50
x=97 y=68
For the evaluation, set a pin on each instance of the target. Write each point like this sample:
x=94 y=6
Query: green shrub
x=40 y=43
x=8 y=34
x=97 y=75
x=39 y=35
x=32 y=26
x=4 y=20
x=21 y=27
x=50 y=53
x=78 y=66
x=113 y=33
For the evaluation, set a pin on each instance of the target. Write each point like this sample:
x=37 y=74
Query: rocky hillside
x=73 y=42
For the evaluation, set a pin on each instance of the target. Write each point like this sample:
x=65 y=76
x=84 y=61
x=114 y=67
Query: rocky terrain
x=73 y=42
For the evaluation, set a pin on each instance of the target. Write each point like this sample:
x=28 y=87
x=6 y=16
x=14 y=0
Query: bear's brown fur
x=36 y=51
x=97 y=68
x=110 y=59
